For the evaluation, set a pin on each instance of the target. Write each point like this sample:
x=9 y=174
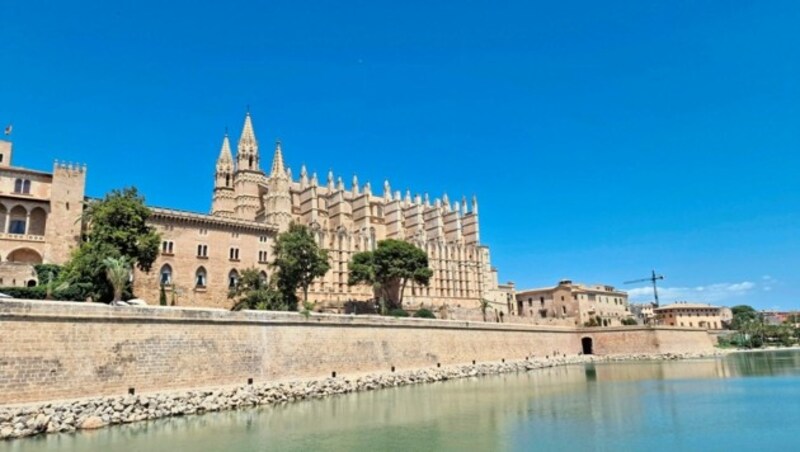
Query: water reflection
x=603 y=406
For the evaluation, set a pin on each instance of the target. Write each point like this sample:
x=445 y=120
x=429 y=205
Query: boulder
x=92 y=423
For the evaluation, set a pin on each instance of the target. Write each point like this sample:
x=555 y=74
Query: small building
x=643 y=312
x=577 y=304
x=691 y=315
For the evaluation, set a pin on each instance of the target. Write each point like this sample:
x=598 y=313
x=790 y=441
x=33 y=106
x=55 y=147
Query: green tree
x=298 y=261
x=253 y=292
x=117 y=228
x=118 y=273
x=742 y=315
x=389 y=269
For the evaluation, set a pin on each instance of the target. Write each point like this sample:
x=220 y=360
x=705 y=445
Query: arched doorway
x=586 y=344
x=24 y=256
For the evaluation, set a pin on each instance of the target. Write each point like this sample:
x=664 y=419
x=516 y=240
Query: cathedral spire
x=278 y=168
x=247 y=151
x=225 y=155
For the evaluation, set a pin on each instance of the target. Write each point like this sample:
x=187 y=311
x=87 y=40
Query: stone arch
x=17 y=220
x=587 y=345
x=24 y=256
x=201 y=277
x=38 y=221
x=165 y=275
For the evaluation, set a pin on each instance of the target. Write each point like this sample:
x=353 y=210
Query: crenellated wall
x=59 y=350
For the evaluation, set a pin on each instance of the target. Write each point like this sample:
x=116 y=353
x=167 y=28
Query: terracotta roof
x=685 y=305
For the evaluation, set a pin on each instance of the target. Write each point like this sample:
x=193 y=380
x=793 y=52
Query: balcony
x=21 y=237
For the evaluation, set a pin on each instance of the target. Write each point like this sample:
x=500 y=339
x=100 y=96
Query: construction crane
x=653 y=278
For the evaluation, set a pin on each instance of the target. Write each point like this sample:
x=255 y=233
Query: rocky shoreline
x=99 y=412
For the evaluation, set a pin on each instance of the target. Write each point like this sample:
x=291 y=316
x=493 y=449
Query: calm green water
x=746 y=401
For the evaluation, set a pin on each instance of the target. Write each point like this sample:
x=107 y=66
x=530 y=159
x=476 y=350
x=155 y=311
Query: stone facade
x=39 y=216
x=575 y=304
x=250 y=207
x=692 y=315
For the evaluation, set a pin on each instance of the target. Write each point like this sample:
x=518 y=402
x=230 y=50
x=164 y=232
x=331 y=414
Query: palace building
x=202 y=255
x=39 y=216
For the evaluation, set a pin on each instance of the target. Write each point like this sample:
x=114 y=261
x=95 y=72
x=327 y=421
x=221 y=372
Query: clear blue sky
x=603 y=139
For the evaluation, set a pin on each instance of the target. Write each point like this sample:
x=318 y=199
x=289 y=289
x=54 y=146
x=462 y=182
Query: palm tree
x=118 y=272
x=484 y=306
x=50 y=286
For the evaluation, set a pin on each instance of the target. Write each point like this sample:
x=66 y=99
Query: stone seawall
x=93 y=413
x=54 y=350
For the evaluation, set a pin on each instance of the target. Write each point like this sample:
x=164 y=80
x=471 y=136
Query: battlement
x=69 y=168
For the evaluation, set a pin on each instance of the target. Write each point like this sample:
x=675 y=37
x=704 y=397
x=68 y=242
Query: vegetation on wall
x=424 y=314
x=298 y=261
x=389 y=269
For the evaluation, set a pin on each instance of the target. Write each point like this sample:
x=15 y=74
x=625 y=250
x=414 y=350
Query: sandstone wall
x=625 y=340
x=58 y=350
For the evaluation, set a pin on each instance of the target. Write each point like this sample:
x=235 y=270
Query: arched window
x=26 y=186
x=166 y=275
x=233 y=279
x=263 y=278
x=18 y=222
x=38 y=222
x=18 y=186
x=227 y=180
x=200 y=278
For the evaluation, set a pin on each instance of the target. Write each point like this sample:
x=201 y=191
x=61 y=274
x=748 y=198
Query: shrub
x=424 y=314
x=75 y=292
x=398 y=313
x=27 y=293
x=629 y=321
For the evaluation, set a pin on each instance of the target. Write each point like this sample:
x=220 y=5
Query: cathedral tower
x=223 y=203
x=278 y=200
x=248 y=173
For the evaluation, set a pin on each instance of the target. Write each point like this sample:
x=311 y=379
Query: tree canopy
x=390 y=268
x=298 y=261
x=743 y=315
x=116 y=228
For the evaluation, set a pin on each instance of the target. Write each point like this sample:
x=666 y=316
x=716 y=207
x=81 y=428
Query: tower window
x=202 y=250
x=234 y=254
x=167 y=247
x=200 y=278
